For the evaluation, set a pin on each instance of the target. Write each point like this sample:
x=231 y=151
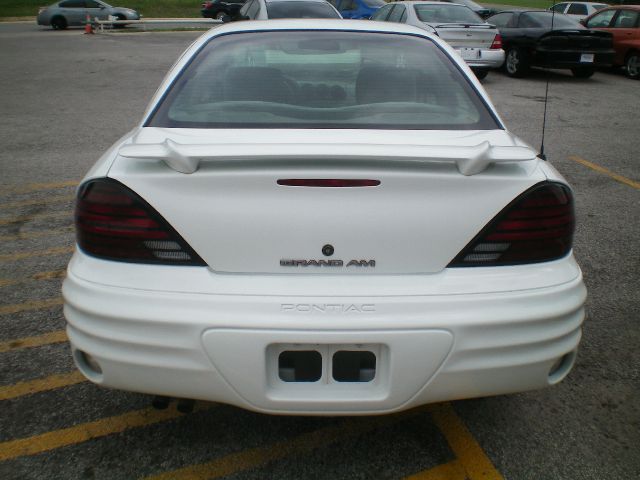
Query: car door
x=96 y=9
x=626 y=33
x=559 y=7
x=577 y=10
x=73 y=11
x=605 y=21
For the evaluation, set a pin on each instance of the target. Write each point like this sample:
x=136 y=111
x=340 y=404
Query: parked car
x=577 y=10
x=323 y=217
x=219 y=8
x=357 y=9
x=73 y=13
x=623 y=22
x=271 y=9
x=478 y=43
x=530 y=41
x=483 y=12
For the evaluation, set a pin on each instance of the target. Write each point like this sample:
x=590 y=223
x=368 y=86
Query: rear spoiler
x=485 y=26
x=470 y=160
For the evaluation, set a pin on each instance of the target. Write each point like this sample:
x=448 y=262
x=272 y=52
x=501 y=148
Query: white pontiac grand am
x=323 y=217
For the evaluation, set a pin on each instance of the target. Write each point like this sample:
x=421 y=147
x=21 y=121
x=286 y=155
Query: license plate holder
x=468 y=53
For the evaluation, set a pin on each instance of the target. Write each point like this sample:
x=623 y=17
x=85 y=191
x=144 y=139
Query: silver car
x=477 y=42
x=70 y=13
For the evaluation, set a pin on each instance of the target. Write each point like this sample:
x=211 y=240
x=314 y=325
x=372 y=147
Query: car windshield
x=322 y=79
x=300 y=10
x=545 y=19
x=446 y=13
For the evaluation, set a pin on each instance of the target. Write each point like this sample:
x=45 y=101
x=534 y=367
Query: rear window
x=300 y=10
x=545 y=19
x=446 y=14
x=316 y=79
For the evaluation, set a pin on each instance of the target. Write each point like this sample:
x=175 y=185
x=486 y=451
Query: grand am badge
x=327 y=263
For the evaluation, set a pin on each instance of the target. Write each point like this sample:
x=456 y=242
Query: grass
x=148 y=8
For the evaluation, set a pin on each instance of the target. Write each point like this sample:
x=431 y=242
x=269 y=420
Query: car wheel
x=481 y=73
x=219 y=15
x=58 y=23
x=632 y=65
x=582 y=72
x=516 y=63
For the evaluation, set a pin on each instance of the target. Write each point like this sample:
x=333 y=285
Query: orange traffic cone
x=88 y=28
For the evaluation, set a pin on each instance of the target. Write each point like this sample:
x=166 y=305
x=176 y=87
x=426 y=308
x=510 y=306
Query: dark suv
x=219 y=8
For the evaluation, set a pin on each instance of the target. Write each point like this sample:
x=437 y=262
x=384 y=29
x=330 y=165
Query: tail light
x=327 y=182
x=114 y=223
x=536 y=227
x=497 y=42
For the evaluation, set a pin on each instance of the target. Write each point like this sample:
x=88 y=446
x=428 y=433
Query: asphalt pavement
x=65 y=97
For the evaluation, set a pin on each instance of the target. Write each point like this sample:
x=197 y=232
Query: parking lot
x=65 y=97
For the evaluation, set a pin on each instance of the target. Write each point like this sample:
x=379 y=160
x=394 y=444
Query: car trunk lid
x=240 y=217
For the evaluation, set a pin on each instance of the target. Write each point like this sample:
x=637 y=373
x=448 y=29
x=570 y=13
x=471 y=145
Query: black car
x=545 y=39
x=219 y=8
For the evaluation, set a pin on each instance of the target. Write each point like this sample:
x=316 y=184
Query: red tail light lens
x=536 y=227
x=114 y=223
x=497 y=42
x=327 y=182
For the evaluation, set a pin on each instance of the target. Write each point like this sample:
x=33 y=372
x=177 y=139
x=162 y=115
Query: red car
x=623 y=22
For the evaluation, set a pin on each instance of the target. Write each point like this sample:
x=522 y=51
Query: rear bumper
x=488 y=59
x=430 y=346
x=572 y=59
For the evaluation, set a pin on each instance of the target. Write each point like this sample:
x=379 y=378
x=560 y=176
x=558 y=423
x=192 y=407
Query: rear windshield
x=300 y=10
x=544 y=19
x=322 y=79
x=446 y=14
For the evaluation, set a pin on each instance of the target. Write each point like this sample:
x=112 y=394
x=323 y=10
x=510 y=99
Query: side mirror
x=582 y=22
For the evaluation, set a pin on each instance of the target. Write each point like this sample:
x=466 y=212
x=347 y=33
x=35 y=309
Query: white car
x=323 y=217
x=578 y=10
x=477 y=42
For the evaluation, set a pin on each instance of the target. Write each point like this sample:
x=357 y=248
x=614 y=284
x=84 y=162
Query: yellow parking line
x=37 y=276
x=466 y=449
x=38 y=234
x=447 y=471
x=35 y=216
x=255 y=457
x=33 y=187
x=40 y=385
x=26 y=306
x=58 y=336
x=12 y=257
x=87 y=431
x=605 y=171
x=4 y=282
x=37 y=201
